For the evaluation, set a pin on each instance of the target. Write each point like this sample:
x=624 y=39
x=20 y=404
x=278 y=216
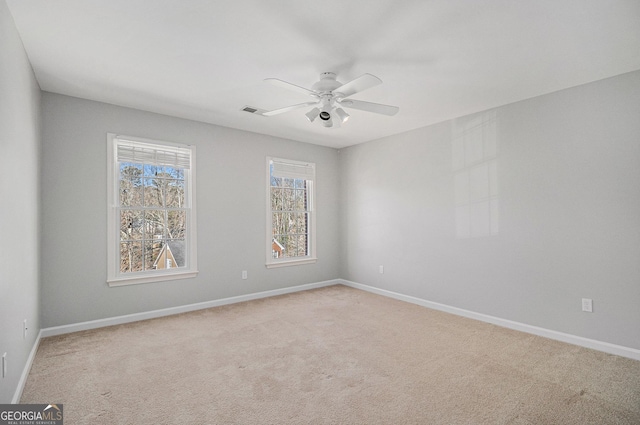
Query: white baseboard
x=25 y=371
x=118 y=320
x=606 y=347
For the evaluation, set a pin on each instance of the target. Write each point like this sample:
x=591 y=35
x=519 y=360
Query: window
x=290 y=212
x=151 y=219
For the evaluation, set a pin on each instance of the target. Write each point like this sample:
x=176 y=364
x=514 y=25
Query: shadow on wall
x=474 y=148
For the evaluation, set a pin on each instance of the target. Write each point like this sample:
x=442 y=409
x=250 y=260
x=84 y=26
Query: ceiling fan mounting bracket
x=328 y=74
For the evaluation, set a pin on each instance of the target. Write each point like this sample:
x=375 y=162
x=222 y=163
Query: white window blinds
x=293 y=170
x=168 y=155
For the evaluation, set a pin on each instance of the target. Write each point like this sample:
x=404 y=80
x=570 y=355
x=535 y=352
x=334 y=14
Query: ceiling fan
x=330 y=96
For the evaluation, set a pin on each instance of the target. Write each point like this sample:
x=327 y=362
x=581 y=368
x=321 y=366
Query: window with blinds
x=151 y=213
x=290 y=212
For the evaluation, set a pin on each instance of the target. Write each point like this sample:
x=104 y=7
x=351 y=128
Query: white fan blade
x=288 y=108
x=363 y=82
x=370 y=107
x=286 y=85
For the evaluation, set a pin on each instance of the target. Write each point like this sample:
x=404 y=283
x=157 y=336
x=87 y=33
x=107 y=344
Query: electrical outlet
x=587 y=305
x=381 y=269
x=24 y=329
x=244 y=274
x=4 y=365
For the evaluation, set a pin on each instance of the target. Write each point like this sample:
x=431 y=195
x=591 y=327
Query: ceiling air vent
x=252 y=110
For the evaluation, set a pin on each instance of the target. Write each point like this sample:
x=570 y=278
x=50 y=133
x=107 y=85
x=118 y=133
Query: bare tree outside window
x=289 y=217
x=152 y=217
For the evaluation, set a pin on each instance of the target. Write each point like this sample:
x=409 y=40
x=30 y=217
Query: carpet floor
x=333 y=355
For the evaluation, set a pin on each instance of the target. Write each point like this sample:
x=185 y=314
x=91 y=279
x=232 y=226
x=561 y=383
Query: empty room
x=336 y=212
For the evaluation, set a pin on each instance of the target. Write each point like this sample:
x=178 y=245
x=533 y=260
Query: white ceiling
x=439 y=59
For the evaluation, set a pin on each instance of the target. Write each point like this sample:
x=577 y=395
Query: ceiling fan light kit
x=313 y=114
x=344 y=117
x=330 y=96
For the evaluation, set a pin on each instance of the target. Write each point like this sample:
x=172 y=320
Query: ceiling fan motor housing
x=327 y=83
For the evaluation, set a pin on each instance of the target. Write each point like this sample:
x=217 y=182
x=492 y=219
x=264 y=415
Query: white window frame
x=114 y=276
x=310 y=258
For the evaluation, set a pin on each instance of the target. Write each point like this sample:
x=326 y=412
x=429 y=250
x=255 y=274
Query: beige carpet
x=334 y=355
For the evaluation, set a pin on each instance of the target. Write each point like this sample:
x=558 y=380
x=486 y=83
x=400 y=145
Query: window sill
x=123 y=281
x=286 y=263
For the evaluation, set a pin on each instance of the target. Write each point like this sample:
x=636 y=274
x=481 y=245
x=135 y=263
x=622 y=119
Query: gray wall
x=558 y=221
x=231 y=197
x=19 y=203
